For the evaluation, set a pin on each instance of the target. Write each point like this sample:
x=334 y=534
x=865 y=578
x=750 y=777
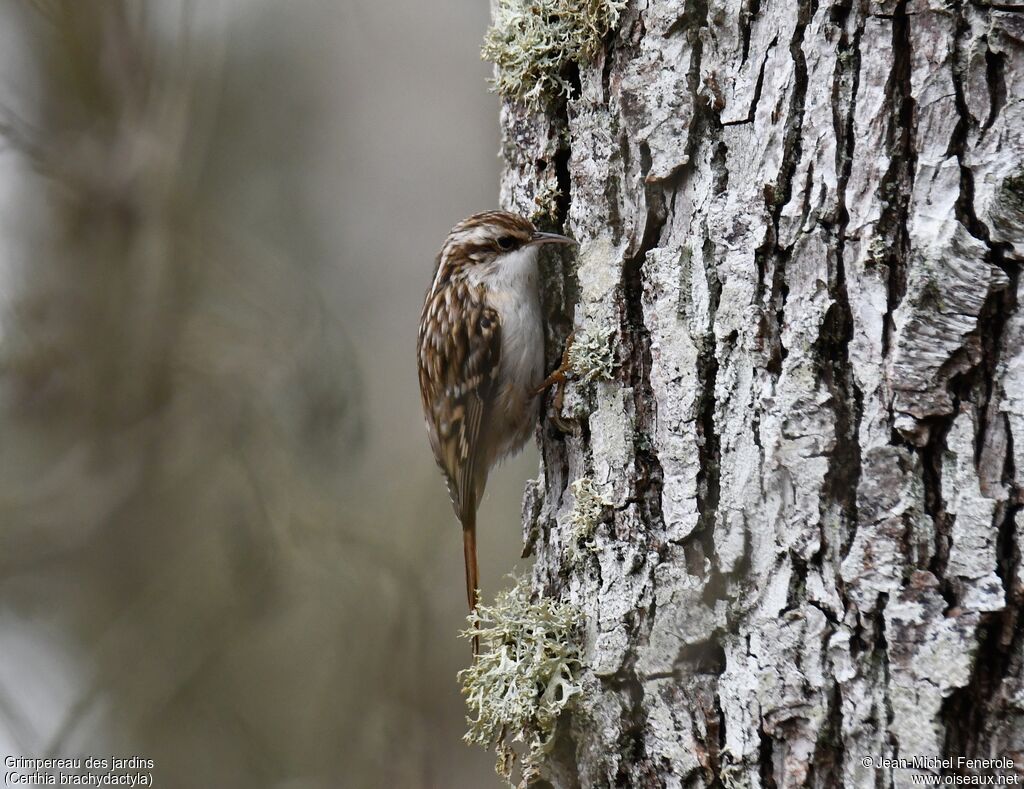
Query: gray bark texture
x=797 y=539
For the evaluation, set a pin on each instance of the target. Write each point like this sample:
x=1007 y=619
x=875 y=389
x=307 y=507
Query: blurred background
x=224 y=544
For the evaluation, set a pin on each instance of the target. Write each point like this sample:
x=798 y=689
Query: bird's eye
x=506 y=242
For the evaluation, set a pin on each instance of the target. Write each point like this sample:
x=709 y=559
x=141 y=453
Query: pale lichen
x=731 y=771
x=527 y=672
x=591 y=357
x=878 y=250
x=531 y=42
x=546 y=202
x=587 y=510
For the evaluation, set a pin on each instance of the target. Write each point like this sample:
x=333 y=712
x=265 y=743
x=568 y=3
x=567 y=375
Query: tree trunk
x=800 y=228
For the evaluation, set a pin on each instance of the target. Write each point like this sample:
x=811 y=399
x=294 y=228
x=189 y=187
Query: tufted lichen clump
x=546 y=202
x=587 y=510
x=527 y=672
x=532 y=41
x=591 y=357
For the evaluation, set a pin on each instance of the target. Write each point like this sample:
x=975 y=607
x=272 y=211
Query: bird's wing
x=459 y=354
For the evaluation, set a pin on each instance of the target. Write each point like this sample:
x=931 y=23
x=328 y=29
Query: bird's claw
x=559 y=378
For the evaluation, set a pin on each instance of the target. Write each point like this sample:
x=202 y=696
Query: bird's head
x=492 y=237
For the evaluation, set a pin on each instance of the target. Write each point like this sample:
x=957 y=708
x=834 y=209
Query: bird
x=480 y=357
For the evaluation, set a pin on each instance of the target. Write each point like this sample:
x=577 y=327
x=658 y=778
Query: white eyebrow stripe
x=475 y=235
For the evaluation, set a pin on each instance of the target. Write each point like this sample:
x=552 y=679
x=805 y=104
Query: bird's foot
x=558 y=379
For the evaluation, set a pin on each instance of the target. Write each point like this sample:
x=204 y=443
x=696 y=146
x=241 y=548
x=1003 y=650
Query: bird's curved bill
x=550 y=238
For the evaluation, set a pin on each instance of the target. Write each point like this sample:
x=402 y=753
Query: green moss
x=591 y=357
x=527 y=672
x=532 y=41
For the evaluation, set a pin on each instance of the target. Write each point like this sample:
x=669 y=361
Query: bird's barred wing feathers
x=458 y=364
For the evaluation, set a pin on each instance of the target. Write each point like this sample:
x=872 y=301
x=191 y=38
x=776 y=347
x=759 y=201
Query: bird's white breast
x=512 y=291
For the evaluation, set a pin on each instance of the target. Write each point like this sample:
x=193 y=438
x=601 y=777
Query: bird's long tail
x=472 y=579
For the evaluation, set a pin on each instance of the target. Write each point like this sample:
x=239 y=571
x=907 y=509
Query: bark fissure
x=995 y=78
x=771 y=254
x=747 y=15
x=967 y=711
x=637 y=340
x=898 y=182
x=706 y=134
x=758 y=87
x=845 y=467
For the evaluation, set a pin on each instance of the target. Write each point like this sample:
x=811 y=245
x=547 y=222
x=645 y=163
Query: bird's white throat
x=514 y=271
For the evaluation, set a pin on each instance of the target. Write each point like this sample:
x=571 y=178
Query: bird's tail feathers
x=472 y=576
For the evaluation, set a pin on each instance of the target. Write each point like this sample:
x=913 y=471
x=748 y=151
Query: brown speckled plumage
x=480 y=356
x=458 y=366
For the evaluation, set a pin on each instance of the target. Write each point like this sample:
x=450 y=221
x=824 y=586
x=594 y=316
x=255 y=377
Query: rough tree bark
x=801 y=224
